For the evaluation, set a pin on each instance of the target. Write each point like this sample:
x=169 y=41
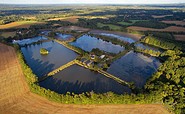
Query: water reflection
x=42 y=64
x=88 y=43
x=78 y=80
x=29 y=40
x=126 y=39
x=134 y=67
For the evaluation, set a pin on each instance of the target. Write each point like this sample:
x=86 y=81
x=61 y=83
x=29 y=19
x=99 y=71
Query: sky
x=91 y=1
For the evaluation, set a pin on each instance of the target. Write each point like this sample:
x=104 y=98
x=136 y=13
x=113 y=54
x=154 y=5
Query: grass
x=19 y=24
x=127 y=24
x=111 y=26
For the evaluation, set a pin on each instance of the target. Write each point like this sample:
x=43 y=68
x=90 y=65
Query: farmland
x=168 y=29
x=17 y=98
x=21 y=24
x=100 y=59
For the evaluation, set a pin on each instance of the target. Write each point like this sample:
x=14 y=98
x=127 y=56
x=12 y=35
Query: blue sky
x=91 y=1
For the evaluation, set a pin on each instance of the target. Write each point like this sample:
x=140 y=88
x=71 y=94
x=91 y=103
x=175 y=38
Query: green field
x=111 y=26
x=127 y=23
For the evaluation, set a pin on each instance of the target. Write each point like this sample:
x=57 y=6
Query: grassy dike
x=84 y=98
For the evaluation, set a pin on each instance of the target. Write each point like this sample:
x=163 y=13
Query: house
x=102 y=56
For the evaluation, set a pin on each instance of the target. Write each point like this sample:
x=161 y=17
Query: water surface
x=88 y=43
x=134 y=67
x=29 y=40
x=126 y=39
x=62 y=36
x=78 y=80
x=42 y=64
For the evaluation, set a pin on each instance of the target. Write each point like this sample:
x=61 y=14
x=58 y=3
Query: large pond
x=29 y=40
x=126 y=39
x=42 y=64
x=78 y=80
x=88 y=43
x=134 y=67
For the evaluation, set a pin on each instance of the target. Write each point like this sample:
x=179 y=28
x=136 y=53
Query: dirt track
x=15 y=97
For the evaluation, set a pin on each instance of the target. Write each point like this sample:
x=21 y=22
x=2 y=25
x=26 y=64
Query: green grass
x=111 y=26
x=127 y=23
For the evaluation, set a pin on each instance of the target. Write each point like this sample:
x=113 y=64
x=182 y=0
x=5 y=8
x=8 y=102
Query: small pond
x=88 y=43
x=126 y=39
x=63 y=37
x=29 y=40
x=148 y=47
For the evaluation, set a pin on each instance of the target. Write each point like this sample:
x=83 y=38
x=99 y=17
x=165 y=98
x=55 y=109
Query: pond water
x=126 y=39
x=42 y=64
x=29 y=40
x=88 y=43
x=148 y=47
x=134 y=67
x=78 y=80
x=64 y=37
x=45 y=32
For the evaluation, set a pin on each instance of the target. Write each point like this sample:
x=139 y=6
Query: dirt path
x=15 y=97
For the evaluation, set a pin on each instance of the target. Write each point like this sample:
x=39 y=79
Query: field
x=74 y=28
x=160 y=16
x=111 y=26
x=168 y=29
x=7 y=34
x=15 y=97
x=180 y=37
x=127 y=24
x=19 y=24
x=175 y=22
x=72 y=19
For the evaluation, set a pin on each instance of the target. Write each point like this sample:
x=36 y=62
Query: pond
x=29 y=40
x=126 y=39
x=134 y=67
x=63 y=37
x=42 y=64
x=148 y=47
x=88 y=43
x=78 y=80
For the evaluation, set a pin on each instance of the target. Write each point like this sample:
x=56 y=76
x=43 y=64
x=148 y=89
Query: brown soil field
x=15 y=97
x=180 y=37
x=74 y=28
x=124 y=34
x=175 y=22
x=160 y=16
x=21 y=24
x=72 y=19
x=168 y=29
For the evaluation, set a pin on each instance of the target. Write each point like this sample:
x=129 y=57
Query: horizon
x=93 y=2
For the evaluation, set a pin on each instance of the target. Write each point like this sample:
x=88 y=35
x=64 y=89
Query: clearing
x=20 y=24
x=15 y=97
